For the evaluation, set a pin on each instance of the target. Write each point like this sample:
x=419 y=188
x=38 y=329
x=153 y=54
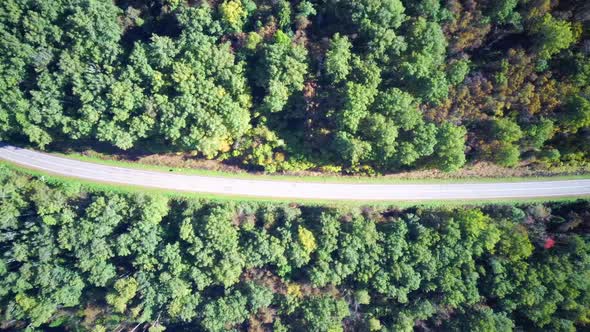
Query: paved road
x=283 y=189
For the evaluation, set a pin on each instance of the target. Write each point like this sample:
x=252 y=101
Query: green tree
x=235 y=307
x=221 y=261
x=450 y=147
x=399 y=106
x=338 y=58
x=506 y=154
x=125 y=290
x=324 y=314
x=382 y=133
x=506 y=133
x=233 y=14
x=503 y=11
x=209 y=107
x=457 y=71
x=577 y=113
x=284 y=14
x=378 y=22
x=505 y=130
x=422 y=66
x=482 y=320
x=282 y=72
x=351 y=149
x=552 y=35
x=539 y=133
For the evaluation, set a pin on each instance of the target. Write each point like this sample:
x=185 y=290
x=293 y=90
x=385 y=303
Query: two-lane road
x=289 y=189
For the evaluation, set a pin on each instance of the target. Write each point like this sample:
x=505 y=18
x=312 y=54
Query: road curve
x=291 y=190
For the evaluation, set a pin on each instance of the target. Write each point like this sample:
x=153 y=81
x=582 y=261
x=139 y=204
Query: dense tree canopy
x=351 y=86
x=82 y=260
x=356 y=85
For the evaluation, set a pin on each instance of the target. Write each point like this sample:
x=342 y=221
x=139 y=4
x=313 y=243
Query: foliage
x=90 y=259
x=233 y=14
x=338 y=58
x=578 y=113
x=450 y=146
x=552 y=35
x=359 y=86
x=125 y=290
x=282 y=72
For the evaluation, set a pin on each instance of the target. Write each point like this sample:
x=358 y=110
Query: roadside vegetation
x=351 y=86
x=471 y=174
x=96 y=260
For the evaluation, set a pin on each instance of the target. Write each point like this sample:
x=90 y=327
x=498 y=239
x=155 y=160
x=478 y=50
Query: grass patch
x=125 y=189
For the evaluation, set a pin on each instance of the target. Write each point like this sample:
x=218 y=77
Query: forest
x=80 y=259
x=358 y=87
x=350 y=86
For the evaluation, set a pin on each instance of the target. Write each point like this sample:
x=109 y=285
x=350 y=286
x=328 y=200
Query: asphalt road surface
x=289 y=189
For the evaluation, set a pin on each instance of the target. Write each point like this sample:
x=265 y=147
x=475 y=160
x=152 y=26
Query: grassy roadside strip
x=125 y=189
x=319 y=179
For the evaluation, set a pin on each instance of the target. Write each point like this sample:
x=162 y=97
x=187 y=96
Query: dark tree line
x=102 y=261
